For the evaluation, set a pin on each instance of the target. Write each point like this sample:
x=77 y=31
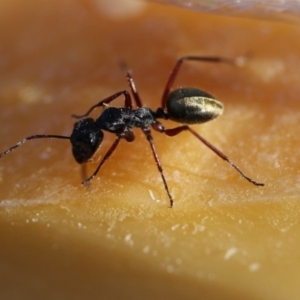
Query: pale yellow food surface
x=118 y=239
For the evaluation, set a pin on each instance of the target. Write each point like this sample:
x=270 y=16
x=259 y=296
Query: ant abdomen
x=192 y=106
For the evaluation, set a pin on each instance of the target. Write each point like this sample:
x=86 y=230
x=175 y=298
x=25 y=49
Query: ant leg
x=106 y=156
x=158 y=163
x=133 y=89
x=177 y=130
x=131 y=84
x=83 y=171
x=128 y=103
x=33 y=137
x=216 y=59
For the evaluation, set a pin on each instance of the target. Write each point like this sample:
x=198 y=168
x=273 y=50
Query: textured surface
x=224 y=239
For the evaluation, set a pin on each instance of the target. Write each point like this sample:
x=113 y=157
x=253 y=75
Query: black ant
x=183 y=105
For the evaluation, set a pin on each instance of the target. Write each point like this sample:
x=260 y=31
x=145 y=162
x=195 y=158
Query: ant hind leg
x=179 y=129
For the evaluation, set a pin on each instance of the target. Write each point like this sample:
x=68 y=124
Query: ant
x=184 y=105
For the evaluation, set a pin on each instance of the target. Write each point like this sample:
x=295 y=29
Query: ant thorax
x=115 y=119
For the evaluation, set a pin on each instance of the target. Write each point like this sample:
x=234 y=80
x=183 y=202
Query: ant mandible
x=183 y=105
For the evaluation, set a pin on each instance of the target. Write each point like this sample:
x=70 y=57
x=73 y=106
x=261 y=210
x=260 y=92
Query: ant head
x=85 y=139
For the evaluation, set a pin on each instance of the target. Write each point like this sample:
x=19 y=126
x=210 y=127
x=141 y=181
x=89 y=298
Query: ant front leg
x=177 y=130
x=110 y=151
x=215 y=59
x=127 y=135
x=128 y=103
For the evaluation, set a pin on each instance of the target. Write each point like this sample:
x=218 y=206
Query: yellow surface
x=117 y=239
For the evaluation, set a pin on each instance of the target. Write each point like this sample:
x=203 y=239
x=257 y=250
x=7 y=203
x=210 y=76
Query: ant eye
x=85 y=139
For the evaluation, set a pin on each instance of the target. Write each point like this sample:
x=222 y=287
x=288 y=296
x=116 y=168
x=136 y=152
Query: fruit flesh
x=224 y=238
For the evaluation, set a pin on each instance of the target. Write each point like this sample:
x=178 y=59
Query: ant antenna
x=33 y=137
